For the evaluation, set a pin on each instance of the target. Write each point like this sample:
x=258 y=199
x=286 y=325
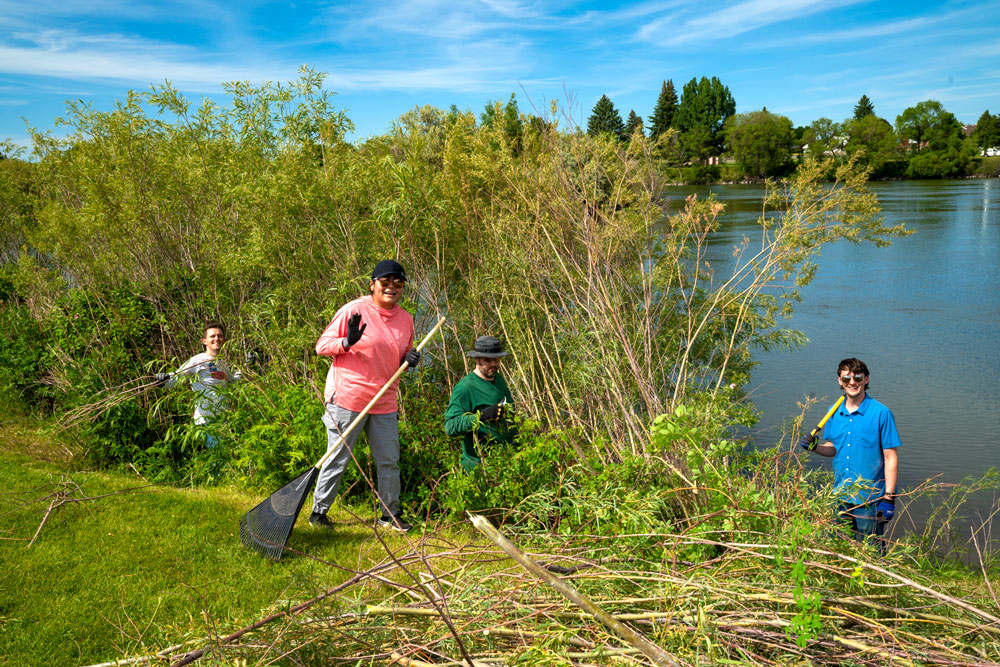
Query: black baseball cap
x=388 y=267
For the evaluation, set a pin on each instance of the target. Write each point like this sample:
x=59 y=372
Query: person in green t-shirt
x=481 y=407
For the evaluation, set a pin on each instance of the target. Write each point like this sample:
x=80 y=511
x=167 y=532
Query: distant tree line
x=701 y=128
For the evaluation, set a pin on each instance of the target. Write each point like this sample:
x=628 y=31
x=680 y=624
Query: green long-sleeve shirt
x=470 y=395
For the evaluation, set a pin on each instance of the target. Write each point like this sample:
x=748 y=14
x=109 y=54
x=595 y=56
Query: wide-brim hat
x=388 y=267
x=488 y=347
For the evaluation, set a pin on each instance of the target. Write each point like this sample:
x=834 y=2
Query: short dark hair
x=853 y=365
x=213 y=325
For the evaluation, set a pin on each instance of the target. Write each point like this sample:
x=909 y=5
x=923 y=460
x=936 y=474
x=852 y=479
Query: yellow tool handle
x=826 y=417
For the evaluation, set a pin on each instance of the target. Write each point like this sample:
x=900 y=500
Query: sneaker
x=321 y=520
x=395 y=522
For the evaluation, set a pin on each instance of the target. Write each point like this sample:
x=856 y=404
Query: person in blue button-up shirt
x=861 y=437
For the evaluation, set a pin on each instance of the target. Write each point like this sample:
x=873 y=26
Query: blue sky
x=805 y=59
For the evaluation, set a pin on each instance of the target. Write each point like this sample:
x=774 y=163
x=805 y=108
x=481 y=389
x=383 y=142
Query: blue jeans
x=860 y=520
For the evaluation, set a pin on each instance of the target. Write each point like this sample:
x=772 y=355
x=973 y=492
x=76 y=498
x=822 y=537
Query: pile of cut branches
x=585 y=600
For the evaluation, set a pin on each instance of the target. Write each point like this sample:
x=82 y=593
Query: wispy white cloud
x=694 y=25
x=434 y=19
x=67 y=55
x=627 y=14
x=16 y=14
x=71 y=55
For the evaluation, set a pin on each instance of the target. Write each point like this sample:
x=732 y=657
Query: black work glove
x=807 y=442
x=491 y=413
x=161 y=379
x=354 y=329
x=886 y=508
x=412 y=357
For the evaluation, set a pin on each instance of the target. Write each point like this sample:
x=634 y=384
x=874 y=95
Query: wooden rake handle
x=371 y=403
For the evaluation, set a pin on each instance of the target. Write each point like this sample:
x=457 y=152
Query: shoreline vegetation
x=986 y=168
x=671 y=543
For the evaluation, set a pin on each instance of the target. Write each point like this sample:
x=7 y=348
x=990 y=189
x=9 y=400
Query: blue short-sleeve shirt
x=860 y=437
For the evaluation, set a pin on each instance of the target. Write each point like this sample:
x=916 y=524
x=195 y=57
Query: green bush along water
x=138 y=227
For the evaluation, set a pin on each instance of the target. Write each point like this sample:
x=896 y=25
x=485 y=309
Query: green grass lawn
x=132 y=573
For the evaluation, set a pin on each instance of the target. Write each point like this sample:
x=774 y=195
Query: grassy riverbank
x=101 y=566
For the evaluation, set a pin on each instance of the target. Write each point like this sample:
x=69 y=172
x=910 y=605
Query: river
x=923 y=314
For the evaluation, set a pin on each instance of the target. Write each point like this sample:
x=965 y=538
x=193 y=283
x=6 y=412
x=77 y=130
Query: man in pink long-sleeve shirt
x=368 y=338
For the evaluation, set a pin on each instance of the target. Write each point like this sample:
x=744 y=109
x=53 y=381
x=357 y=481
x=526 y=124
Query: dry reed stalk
x=649 y=649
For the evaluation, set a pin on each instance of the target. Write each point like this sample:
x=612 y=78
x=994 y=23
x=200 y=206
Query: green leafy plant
x=807 y=623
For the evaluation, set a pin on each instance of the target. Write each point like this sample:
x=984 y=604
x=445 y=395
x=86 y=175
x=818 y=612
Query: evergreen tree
x=663 y=114
x=705 y=105
x=634 y=123
x=863 y=108
x=605 y=119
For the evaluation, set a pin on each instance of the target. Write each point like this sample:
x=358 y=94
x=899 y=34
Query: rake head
x=267 y=527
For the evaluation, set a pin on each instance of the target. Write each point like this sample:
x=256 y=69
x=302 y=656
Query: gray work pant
x=383 y=441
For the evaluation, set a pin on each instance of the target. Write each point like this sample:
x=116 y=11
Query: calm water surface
x=923 y=314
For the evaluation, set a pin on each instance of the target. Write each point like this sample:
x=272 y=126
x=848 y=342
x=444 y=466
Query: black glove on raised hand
x=412 y=357
x=161 y=379
x=491 y=413
x=355 y=329
x=807 y=442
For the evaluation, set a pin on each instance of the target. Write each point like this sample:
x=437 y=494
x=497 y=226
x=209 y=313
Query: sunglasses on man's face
x=858 y=377
x=395 y=282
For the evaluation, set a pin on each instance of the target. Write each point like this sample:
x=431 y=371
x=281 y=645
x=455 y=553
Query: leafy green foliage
x=761 y=143
x=873 y=140
x=22 y=352
x=508 y=474
x=938 y=145
x=806 y=624
x=275 y=430
x=823 y=138
x=508 y=118
x=96 y=347
x=917 y=122
x=987 y=131
x=260 y=215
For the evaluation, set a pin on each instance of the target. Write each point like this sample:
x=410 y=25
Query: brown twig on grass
x=63 y=497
